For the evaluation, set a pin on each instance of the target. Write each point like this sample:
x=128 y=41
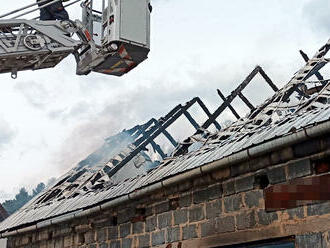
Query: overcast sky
x=51 y=119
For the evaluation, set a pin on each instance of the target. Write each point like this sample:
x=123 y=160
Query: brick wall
x=221 y=208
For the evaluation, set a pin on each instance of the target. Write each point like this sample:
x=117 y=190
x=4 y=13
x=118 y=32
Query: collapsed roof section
x=100 y=178
x=134 y=151
x=298 y=96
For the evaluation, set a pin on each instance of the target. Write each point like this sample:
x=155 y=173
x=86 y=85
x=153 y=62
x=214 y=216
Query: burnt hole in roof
x=183 y=150
x=75 y=195
x=213 y=137
x=55 y=193
x=312 y=107
x=62 y=181
x=258 y=122
x=44 y=198
x=268 y=122
x=40 y=199
x=98 y=186
x=269 y=112
x=224 y=137
x=251 y=133
x=76 y=176
x=71 y=187
x=97 y=177
x=322 y=99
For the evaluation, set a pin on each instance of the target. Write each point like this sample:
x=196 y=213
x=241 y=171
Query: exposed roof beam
x=229 y=105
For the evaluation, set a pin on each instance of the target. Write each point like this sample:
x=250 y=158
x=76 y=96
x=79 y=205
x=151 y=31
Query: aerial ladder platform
x=111 y=40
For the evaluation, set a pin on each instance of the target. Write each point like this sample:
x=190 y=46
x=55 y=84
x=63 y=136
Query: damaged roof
x=123 y=166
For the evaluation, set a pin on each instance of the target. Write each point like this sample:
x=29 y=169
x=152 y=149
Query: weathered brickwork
x=217 y=209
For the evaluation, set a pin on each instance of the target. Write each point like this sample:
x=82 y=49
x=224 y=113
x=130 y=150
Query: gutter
x=259 y=150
